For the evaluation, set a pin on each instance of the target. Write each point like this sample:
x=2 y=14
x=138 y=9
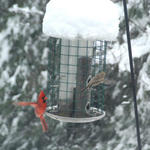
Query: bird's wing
x=33 y=104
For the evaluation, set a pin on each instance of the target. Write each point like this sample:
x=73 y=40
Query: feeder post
x=132 y=75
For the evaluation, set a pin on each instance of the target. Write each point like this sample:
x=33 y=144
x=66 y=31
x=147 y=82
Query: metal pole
x=132 y=74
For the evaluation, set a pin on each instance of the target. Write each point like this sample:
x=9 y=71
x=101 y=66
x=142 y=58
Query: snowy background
x=23 y=72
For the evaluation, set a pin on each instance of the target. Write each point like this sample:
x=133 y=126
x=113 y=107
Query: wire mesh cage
x=71 y=66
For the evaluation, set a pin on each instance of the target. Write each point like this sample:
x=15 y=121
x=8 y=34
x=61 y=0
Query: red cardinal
x=39 y=108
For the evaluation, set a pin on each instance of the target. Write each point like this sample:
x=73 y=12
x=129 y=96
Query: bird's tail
x=25 y=104
x=44 y=125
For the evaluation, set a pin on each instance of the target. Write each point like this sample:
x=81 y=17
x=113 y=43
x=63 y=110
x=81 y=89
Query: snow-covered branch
x=26 y=10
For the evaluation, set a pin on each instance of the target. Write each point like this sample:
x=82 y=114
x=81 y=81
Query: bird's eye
x=43 y=98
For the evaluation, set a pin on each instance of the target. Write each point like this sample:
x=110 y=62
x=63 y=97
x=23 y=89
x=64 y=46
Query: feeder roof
x=87 y=19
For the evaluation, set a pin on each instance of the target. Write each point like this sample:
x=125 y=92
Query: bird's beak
x=46 y=98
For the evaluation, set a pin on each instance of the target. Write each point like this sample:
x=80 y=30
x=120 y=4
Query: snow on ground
x=74 y=18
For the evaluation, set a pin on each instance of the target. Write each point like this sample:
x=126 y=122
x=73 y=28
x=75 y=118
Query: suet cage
x=71 y=65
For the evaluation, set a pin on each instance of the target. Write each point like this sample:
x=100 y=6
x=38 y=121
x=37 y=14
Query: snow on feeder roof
x=87 y=19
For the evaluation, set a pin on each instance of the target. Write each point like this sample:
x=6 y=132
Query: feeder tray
x=75 y=120
x=93 y=114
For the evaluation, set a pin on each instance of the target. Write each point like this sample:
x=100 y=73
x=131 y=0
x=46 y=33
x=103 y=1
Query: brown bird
x=95 y=81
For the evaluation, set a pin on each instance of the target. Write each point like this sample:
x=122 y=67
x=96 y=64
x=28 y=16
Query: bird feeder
x=75 y=57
